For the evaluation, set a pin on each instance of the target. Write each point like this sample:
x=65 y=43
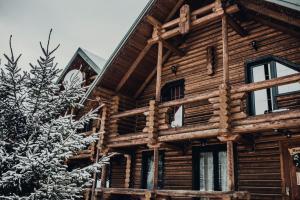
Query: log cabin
x=201 y=101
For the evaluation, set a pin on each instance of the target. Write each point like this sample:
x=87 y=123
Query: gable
x=134 y=60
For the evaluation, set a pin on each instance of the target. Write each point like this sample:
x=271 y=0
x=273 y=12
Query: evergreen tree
x=38 y=133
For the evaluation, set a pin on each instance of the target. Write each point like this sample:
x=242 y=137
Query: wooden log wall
x=258 y=166
x=192 y=67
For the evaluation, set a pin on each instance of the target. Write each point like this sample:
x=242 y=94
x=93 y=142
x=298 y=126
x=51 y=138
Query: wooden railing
x=270 y=121
x=158 y=129
x=145 y=194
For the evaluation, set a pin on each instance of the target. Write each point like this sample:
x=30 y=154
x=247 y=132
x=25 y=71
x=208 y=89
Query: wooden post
x=101 y=144
x=113 y=127
x=152 y=122
x=128 y=170
x=103 y=176
x=155 y=167
x=158 y=71
x=230 y=166
x=225 y=48
x=185 y=19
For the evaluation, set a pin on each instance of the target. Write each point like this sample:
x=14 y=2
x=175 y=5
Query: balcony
x=203 y=116
x=166 y=194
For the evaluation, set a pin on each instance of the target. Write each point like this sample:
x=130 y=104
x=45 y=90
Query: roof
x=118 y=48
x=292 y=4
x=95 y=62
x=100 y=62
x=115 y=68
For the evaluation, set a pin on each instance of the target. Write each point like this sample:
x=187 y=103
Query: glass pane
x=260 y=101
x=258 y=73
x=284 y=71
x=223 y=170
x=206 y=171
x=260 y=96
x=178 y=117
x=150 y=173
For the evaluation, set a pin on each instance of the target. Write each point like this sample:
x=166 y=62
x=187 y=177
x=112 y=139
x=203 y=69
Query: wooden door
x=290 y=172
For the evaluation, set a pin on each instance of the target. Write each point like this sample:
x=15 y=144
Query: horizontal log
x=200 y=11
x=124 y=191
x=271 y=117
x=135 y=142
x=188 y=129
x=189 y=99
x=190 y=135
x=195 y=23
x=284 y=80
x=196 y=193
x=174 y=193
x=132 y=112
x=267 y=126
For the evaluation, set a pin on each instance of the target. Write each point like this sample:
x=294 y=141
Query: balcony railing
x=165 y=194
x=158 y=128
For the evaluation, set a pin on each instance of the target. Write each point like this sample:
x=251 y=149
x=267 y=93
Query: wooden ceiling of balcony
x=163 y=11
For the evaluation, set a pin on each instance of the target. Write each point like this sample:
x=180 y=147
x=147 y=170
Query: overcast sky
x=96 y=25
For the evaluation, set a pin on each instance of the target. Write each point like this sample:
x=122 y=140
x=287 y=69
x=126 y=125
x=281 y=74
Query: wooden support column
x=128 y=170
x=159 y=69
x=101 y=144
x=155 y=167
x=113 y=110
x=225 y=49
x=103 y=176
x=152 y=122
x=230 y=166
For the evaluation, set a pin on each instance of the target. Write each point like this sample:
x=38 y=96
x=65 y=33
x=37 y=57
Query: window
x=210 y=168
x=172 y=91
x=147 y=170
x=264 y=101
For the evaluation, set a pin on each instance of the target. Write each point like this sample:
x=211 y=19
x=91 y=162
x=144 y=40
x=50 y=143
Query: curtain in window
x=206 y=171
x=223 y=170
x=150 y=173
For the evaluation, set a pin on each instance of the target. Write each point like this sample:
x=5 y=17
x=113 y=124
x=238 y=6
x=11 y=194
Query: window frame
x=271 y=92
x=169 y=86
x=144 y=169
x=196 y=150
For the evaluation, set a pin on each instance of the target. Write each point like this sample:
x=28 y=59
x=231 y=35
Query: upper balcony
x=207 y=115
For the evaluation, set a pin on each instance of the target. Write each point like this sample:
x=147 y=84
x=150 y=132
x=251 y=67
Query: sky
x=96 y=25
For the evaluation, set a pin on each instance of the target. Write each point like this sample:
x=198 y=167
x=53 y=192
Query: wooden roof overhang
x=133 y=64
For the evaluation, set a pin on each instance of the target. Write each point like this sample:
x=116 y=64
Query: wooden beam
x=189 y=99
x=174 y=10
x=173 y=48
x=151 y=75
x=158 y=73
x=134 y=66
x=280 y=16
x=291 y=31
x=237 y=27
x=284 y=80
x=225 y=49
x=230 y=166
x=103 y=176
x=155 y=167
x=130 y=112
x=195 y=23
x=154 y=22
x=127 y=170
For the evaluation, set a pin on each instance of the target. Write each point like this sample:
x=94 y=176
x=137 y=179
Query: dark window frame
x=271 y=92
x=196 y=150
x=144 y=169
x=166 y=95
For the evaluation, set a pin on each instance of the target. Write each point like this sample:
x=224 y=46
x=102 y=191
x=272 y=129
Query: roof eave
x=116 y=51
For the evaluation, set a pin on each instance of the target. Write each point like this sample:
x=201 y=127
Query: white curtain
x=206 y=171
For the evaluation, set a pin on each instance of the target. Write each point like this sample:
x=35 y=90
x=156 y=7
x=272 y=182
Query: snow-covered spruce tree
x=38 y=133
